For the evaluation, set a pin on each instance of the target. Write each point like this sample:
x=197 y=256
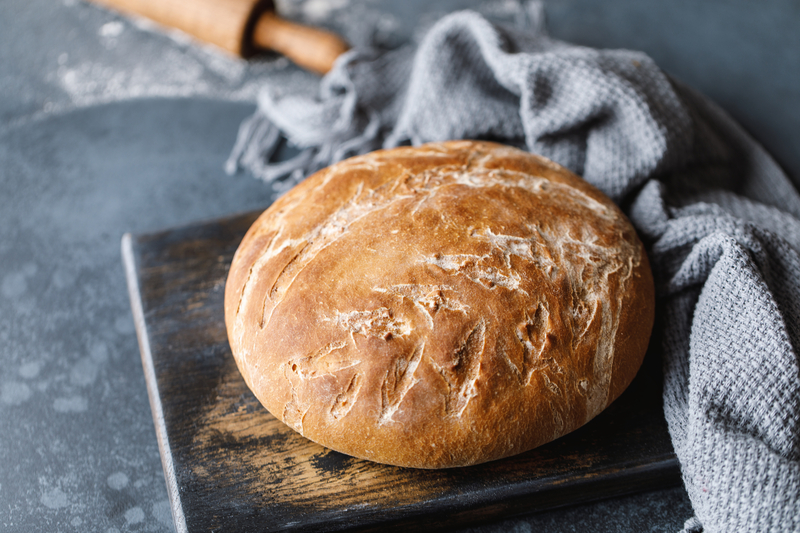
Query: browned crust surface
x=439 y=306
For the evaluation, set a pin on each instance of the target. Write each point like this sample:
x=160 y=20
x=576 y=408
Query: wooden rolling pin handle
x=310 y=48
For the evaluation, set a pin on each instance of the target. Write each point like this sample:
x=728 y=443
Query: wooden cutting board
x=231 y=466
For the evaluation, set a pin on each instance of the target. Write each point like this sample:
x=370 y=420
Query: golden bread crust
x=439 y=306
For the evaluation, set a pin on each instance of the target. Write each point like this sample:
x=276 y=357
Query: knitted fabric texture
x=718 y=216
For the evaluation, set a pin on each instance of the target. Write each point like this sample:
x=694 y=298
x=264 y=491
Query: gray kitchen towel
x=720 y=219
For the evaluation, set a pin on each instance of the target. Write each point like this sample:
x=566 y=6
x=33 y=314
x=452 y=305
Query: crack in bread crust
x=428 y=299
x=532 y=334
x=399 y=379
x=462 y=371
x=379 y=323
x=345 y=401
x=321 y=362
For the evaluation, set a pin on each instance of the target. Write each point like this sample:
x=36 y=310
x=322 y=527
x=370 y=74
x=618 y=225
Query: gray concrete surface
x=108 y=127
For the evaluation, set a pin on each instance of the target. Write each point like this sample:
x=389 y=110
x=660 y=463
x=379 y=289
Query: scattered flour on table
x=74 y=404
x=311 y=10
x=13 y=393
x=162 y=512
x=127 y=57
x=117 y=480
x=131 y=57
x=134 y=515
x=54 y=498
x=111 y=29
x=14 y=285
x=30 y=369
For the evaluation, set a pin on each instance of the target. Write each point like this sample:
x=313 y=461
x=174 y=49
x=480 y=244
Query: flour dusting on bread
x=439 y=306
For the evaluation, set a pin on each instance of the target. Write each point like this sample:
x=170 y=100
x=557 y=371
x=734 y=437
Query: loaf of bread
x=439 y=306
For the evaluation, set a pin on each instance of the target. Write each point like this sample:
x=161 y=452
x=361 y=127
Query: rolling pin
x=242 y=27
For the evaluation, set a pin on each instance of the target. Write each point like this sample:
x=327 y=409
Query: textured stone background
x=107 y=126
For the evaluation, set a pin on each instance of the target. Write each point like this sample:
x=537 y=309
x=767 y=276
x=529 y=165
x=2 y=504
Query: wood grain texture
x=241 y=27
x=227 y=24
x=312 y=48
x=236 y=468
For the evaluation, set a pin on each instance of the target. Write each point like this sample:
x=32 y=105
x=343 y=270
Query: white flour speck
x=75 y=404
x=134 y=515
x=54 y=499
x=117 y=480
x=111 y=29
x=14 y=393
x=30 y=370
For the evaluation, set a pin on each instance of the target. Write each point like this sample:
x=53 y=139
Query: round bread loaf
x=439 y=306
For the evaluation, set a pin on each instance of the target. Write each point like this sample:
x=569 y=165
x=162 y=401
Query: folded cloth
x=720 y=219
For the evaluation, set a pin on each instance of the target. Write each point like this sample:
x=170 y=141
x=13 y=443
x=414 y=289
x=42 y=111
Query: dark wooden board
x=231 y=466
